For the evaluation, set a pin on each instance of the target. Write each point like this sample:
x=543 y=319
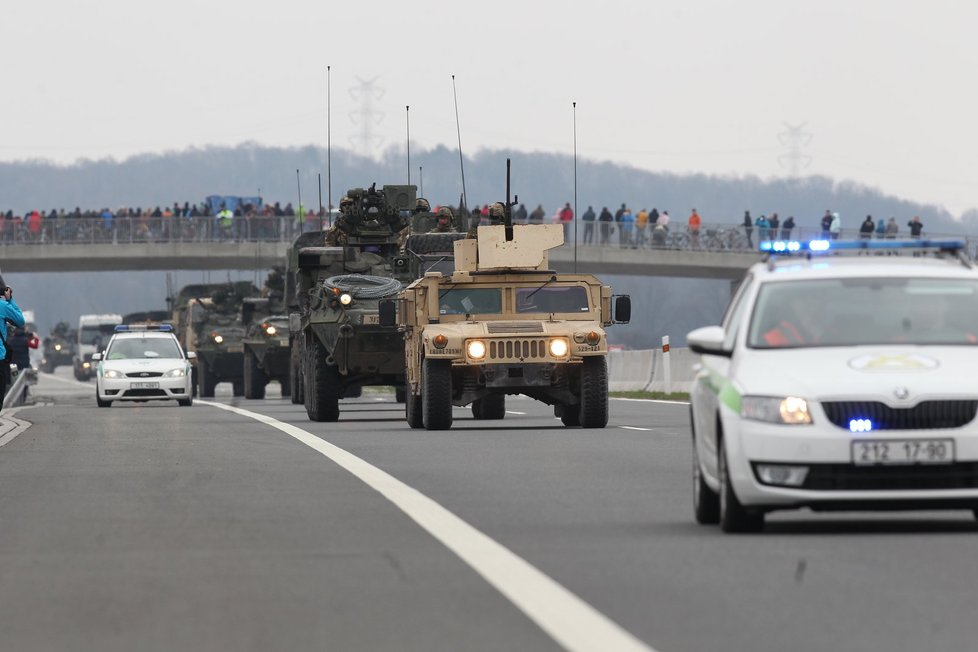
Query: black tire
x=237 y=387
x=491 y=407
x=206 y=381
x=100 y=402
x=185 y=402
x=296 y=388
x=706 y=502
x=322 y=385
x=436 y=394
x=412 y=410
x=734 y=517
x=594 y=392
x=286 y=386
x=400 y=394
x=353 y=391
x=571 y=415
x=433 y=243
x=254 y=378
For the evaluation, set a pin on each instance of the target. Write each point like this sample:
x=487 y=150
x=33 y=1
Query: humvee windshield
x=551 y=299
x=471 y=301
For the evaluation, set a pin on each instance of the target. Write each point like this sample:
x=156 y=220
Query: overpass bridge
x=721 y=251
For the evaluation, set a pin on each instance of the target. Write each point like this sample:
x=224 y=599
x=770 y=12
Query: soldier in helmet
x=336 y=234
x=497 y=215
x=421 y=205
x=445 y=221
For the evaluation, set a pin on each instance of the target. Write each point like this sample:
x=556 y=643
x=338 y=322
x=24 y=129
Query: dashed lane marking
x=515 y=412
x=634 y=428
x=571 y=622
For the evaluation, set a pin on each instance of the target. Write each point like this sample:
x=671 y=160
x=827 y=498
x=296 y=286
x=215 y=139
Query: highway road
x=241 y=525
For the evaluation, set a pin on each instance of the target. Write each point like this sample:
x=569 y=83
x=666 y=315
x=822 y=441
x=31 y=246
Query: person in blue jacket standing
x=9 y=313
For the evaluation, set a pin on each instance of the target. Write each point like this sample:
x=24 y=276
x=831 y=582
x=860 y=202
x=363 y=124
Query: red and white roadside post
x=666 y=365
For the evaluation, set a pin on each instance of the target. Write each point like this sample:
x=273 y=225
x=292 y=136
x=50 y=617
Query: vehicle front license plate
x=902 y=451
x=371 y=319
x=144 y=386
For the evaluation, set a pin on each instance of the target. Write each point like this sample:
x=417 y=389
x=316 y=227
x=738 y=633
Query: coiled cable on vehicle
x=362 y=286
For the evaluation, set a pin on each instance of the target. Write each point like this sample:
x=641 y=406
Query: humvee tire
x=322 y=382
x=400 y=394
x=254 y=377
x=295 y=385
x=490 y=407
x=594 y=392
x=436 y=394
x=205 y=380
x=412 y=410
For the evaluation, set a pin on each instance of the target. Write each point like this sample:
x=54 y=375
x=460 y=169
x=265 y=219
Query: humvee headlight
x=57 y=347
x=86 y=365
x=346 y=298
x=440 y=341
x=476 y=349
x=271 y=330
x=593 y=338
x=219 y=338
x=558 y=348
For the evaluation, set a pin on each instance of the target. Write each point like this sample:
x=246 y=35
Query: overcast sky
x=886 y=89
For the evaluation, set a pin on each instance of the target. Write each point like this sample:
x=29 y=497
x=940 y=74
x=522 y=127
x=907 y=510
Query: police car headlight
x=219 y=339
x=558 y=348
x=113 y=373
x=175 y=373
x=346 y=299
x=790 y=410
x=476 y=349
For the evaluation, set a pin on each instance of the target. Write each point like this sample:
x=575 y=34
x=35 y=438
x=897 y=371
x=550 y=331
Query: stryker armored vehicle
x=59 y=347
x=504 y=323
x=335 y=281
x=266 y=341
x=208 y=321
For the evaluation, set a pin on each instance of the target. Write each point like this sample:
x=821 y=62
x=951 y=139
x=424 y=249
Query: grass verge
x=659 y=396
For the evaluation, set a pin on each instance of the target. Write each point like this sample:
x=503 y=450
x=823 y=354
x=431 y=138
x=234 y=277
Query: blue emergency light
x=819 y=246
x=131 y=328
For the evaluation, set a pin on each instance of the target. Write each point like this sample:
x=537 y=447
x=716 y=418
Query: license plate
x=144 y=385
x=371 y=319
x=903 y=451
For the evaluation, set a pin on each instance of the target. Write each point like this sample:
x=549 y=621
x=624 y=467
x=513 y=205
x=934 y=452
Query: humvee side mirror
x=623 y=309
x=388 y=313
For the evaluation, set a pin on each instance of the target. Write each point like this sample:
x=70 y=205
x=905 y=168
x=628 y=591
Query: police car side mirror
x=623 y=309
x=708 y=340
x=96 y=357
x=388 y=313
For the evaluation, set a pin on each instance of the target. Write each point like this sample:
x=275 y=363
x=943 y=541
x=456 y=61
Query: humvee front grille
x=518 y=349
x=514 y=327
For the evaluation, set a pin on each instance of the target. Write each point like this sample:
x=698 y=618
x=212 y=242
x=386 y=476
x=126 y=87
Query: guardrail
x=23 y=379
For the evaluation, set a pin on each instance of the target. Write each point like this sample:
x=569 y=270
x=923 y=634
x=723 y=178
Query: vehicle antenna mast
x=461 y=164
x=508 y=213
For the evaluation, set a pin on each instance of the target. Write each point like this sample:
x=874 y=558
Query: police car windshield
x=861 y=311
x=143 y=347
x=551 y=299
x=470 y=301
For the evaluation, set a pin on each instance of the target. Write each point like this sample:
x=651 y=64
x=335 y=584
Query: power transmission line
x=795 y=139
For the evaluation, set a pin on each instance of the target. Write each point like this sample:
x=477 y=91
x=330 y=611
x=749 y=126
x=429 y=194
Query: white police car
x=143 y=364
x=839 y=382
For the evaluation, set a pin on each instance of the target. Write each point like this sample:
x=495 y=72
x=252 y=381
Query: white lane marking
x=650 y=400
x=11 y=426
x=634 y=428
x=515 y=412
x=570 y=621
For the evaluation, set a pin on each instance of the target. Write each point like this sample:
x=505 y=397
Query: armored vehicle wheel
x=286 y=386
x=296 y=389
x=436 y=394
x=353 y=391
x=237 y=388
x=489 y=407
x=254 y=378
x=412 y=410
x=400 y=394
x=322 y=386
x=594 y=392
x=431 y=243
x=206 y=381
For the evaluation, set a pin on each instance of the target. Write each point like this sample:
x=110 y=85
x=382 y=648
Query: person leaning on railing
x=9 y=313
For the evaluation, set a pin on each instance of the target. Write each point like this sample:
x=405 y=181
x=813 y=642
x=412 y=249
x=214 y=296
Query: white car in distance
x=143 y=364
x=839 y=382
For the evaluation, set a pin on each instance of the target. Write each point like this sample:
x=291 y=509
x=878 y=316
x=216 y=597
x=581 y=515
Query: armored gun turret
x=334 y=283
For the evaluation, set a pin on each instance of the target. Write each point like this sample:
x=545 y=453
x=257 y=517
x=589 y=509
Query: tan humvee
x=503 y=323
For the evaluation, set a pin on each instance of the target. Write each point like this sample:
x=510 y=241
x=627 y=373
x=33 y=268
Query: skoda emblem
x=901 y=393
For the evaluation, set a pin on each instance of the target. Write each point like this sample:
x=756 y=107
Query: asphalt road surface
x=155 y=527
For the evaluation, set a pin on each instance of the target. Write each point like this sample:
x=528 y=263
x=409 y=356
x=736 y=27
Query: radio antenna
x=461 y=162
x=421 y=179
x=299 y=207
x=508 y=212
x=329 y=176
x=320 y=178
x=575 y=188
x=407 y=115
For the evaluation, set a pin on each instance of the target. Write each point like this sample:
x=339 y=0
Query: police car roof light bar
x=781 y=247
x=129 y=328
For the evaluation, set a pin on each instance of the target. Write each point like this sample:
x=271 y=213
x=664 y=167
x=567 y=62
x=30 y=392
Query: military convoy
x=58 y=347
x=335 y=282
x=266 y=341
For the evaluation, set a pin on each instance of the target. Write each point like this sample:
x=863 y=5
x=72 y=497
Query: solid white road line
x=634 y=428
x=649 y=400
x=570 y=621
x=515 y=412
